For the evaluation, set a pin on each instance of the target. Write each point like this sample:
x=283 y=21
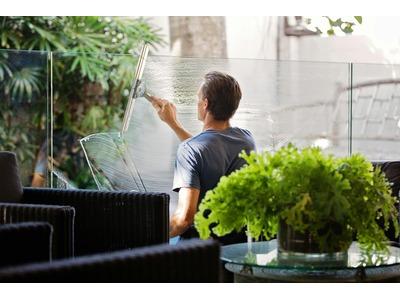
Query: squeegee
x=137 y=89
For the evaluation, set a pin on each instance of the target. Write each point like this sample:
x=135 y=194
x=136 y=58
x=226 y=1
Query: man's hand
x=167 y=112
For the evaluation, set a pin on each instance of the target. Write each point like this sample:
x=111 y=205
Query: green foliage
x=345 y=26
x=332 y=198
x=90 y=84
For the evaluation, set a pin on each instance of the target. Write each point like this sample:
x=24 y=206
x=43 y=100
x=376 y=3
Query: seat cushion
x=10 y=183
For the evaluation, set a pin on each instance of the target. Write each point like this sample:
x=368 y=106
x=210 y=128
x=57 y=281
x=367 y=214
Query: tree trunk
x=198 y=36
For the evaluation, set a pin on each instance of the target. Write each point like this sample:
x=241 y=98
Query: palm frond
x=24 y=83
x=5 y=70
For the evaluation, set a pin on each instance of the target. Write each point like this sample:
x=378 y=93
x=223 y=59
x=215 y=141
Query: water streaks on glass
x=282 y=102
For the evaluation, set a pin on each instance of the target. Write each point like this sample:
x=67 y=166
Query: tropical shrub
x=92 y=65
x=332 y=198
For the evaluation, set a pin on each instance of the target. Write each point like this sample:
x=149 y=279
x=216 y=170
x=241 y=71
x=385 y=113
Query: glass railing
x=65 y=111
x=89 y=96
x=376 y=111
x=282 y=102
x=24 y=112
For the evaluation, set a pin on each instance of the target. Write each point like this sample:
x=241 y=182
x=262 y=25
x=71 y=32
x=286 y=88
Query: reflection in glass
x=265 y=254
x=89 y=92
x=24 y=112
x=376 y=111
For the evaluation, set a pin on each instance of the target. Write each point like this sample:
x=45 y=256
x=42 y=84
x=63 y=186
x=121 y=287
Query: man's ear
x=205 y=103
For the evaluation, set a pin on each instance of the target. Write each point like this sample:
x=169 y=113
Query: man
x=204 y=158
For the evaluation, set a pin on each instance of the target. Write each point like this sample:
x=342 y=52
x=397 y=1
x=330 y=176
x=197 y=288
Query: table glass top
x=266 y=255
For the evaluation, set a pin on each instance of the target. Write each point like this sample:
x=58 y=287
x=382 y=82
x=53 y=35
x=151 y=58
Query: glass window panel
x=90 y=94
x=376 y=113
x=282 y=102
x=24 y=111
x=305 y=103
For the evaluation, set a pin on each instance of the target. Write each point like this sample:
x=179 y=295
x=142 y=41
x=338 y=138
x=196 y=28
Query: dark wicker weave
x=189 y=261
x=23 y=243
x=107 y=221
x=60 y=217
x=392 y=172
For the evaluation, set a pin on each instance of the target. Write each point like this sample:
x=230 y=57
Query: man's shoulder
x=243 y=131
x=197 y=143
x=193 y=143
x=213 y=133
x=189 y=145
x=199 y=138
x=243 y=134
x=210 y=136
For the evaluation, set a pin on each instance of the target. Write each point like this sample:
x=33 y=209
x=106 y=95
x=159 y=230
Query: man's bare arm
x=184 y=214
x=181 y=132
x=167 y=112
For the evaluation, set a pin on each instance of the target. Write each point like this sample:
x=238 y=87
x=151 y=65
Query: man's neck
x=210 y=123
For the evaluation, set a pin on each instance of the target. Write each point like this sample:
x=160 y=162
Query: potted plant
x=302 y=195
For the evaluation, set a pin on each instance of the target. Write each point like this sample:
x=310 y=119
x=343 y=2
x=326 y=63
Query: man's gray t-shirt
x=203 y=159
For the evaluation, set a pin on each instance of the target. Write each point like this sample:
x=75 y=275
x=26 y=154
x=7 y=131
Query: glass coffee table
x=260 y=262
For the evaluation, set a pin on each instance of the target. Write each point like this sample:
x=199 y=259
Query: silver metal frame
x=134 y=89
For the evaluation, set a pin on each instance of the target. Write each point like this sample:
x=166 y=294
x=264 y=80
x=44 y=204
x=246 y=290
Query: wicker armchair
x=107 y=221
x=60 y=217
x=189 y=261
x=24 y=243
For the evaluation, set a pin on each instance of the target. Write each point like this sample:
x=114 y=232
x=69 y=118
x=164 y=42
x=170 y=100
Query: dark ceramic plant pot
x=301 y=249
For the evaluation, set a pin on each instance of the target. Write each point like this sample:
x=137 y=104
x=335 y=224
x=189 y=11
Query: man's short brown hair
x=223 y=94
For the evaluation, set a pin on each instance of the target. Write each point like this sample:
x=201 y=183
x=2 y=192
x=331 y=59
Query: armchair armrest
x=189 y=261
x=107 y=221
x=60 y=217
x=23 y=243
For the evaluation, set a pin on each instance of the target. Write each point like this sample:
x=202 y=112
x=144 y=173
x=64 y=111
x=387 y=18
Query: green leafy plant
x=93 y=66
x=332 y=25
x=345 y=26
x=332 y=198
